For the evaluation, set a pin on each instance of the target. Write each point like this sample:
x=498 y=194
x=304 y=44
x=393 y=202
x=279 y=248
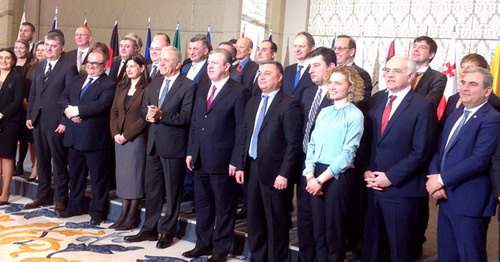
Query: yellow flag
x=495 y=71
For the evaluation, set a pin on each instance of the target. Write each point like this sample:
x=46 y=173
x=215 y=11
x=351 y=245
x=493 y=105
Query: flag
x=271 y=34
x=177 y=38
x=85 y=21
x=243 y=33
x=113 y=44
x=23 y=20
x=450 y=70
x=392 y=50
x=495 y=71
x=148 y=40
x=54 y=24
x=208 y=35
x=333 y=41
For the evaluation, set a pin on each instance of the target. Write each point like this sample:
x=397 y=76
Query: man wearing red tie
x=400 y=129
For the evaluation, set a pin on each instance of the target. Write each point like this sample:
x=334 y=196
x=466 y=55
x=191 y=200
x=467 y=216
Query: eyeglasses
x=340 y=48
x=81 y=35
x=94 y=63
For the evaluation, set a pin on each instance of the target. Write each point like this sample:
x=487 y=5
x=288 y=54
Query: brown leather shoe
x=60 y=207
x=38 y=203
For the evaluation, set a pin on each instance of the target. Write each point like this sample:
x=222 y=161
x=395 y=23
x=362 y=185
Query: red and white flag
x=391 y=51
x=85 y=21
x=450 y=70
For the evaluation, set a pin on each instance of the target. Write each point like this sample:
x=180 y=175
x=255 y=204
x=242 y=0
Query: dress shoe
x=114 y=225
x=217 y=258
x=141 y=236
x=4 y=203
x=67 y=213
x=195 y=252
x=38 y=203
x=31 y=179
x=164 y=241
x=242 y=214
x=60 y=207
x=96 y=220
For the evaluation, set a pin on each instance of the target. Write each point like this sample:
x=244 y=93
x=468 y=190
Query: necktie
x=310 y=119
x=211 y=98
x=416 y=80
x=386 y=114
x=164 y=92
x=84 y=89
x=153 y=72
x=258 y=124
x=239 y=67
x=46 y=76
x=79 y=60
x=256 y=76
x=453 y=137
x=121 y=72
x=297 y=76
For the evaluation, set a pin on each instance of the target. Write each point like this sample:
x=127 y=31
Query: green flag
x=177 y=38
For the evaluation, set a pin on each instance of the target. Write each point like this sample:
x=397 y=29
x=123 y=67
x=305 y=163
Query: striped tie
x=46 y=76
x=310 y=119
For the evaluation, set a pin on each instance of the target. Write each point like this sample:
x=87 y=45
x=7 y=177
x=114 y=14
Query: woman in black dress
x=11 y=116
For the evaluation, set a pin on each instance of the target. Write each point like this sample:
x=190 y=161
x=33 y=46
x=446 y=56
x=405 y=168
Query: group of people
x=364 y=166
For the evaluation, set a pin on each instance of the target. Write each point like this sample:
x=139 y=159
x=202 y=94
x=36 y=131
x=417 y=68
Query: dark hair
x=55 y=34
x=327 y=54
x=351 y=44
x=276 y=63
x=233 y=49
x=477 y=59
x=12 y=54
x=309 y=37
x=429 y=41
x=143 y=79
x=32 y=27
x=274 y=47
x=101 y=47
x=232 y=41
x=204 y=41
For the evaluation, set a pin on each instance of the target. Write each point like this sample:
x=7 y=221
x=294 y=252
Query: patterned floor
x=38 y=235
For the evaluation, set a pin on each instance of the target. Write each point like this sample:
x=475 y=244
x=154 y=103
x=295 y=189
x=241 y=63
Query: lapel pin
x=475 y=116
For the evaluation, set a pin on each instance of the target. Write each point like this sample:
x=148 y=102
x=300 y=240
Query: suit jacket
x=367 y=80
x=451 y=105
x=465 y=173
x=93 y=107
x=169 y=135
x=11 y=98
x=115 y=65
x=431 y=85
x=279 y=143
x=45 y=96
x=127 y=120
x=289 y=79
x=71 y=58
x=235 y=75
x=247 y=73
x=149 y=69
x=307 y=101
x=404 y=149
x=215 y=132
x=202 y=75
x=495 y=173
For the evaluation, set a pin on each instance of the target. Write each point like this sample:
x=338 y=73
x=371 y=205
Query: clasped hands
x=154 y=113
x=435 y=189
x=69 y=113
x=377 y=180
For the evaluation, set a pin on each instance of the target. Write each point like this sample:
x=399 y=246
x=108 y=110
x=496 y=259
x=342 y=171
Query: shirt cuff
x=73 y=110
x=440 y=180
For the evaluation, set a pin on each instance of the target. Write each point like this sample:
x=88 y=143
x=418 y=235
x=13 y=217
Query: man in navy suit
x=245 y=65
x=320 y=60
x=198 y=53
x=87 y=102
x=269 y=159
x=167 y=107
x=459 y=177
x=399 y=132
x=45 y=116
x=216 y=128
x=495 y=179
x=296 y=77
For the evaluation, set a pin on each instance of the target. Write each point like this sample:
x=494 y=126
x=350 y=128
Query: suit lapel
x=54 y=71
x=399 y=111
x=137 y=93
x=92 y=86
x=423 y=79
x=222 y=93
x=7 y=83
x=470 y=123
x=173 y=89
x=301 y=80
x=272 y=108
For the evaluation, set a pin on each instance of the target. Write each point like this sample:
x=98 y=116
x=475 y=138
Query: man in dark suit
x=345 y=50
x=216 y=128
x=400 y=131
x=27 y=32
x=266 y=51
x=296 y=77
x=245 y=65
x=459 y=177
x=167 y=107
x=128 y=47
x=153 y=68
x=495 y=179
x=270 y=156
x=45 y=117
x=87 y=102
x=78 y=56
x=198 y=53
x=428 y=82
x=233 y=73
x=320 y=60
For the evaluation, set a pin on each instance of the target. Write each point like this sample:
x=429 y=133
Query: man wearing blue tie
x=459 y=176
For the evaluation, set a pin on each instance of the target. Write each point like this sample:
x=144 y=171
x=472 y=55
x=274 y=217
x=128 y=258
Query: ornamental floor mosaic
x=39 y=235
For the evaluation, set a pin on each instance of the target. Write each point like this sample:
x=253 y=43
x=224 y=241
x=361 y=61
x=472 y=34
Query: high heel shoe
x=128 y=227
x=115 y=225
